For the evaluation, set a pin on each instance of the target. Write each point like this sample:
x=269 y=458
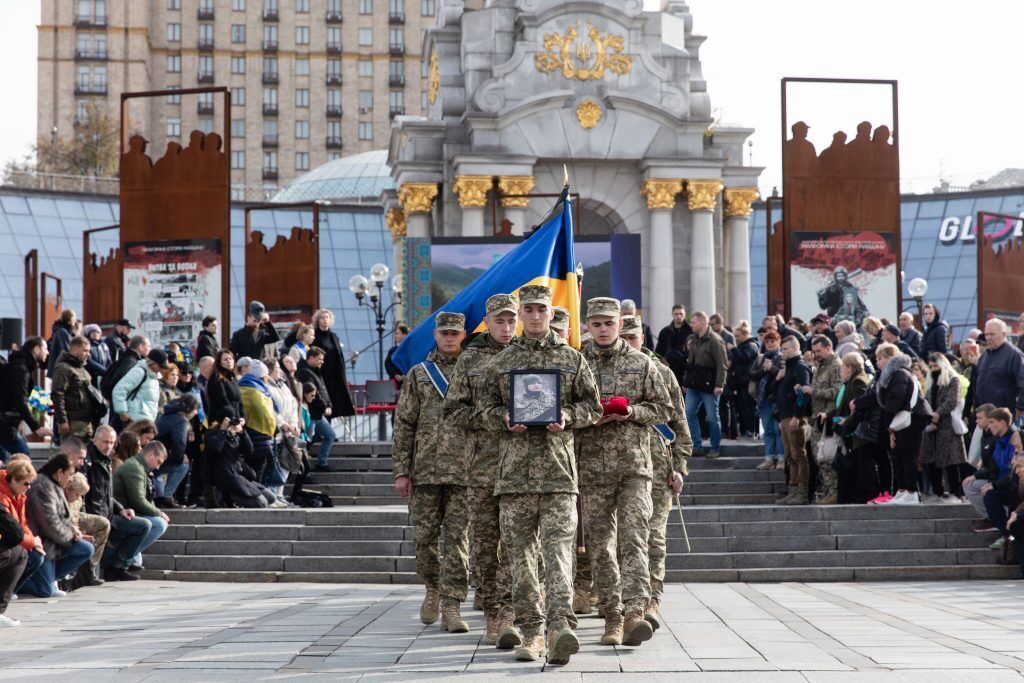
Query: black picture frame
x=531 y=413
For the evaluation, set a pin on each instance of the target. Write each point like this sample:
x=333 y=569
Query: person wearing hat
x=260 y=419
x=137 y=394
x=429 y=467
x=891 y=335
x=615 y=475
x=560 y=323
x=257 y=334
x=668 y=464
x=536 y=480
x=481 y=454
x=99 y=355
x=117 y=341
x=822 y=324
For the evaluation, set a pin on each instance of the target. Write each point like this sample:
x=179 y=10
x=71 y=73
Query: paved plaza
x=167 y=631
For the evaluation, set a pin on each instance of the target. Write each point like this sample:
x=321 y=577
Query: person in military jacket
x=560 y=323
x=429 y=469
x=536 y=481
x=669 y=464
x=615 y=475
x=467 y=389
x=823 y=392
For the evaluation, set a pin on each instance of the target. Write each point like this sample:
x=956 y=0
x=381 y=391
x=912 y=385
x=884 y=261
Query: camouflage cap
x=603 y=305
x=631 y=325
x=535 y=294
x=455 y=322
x=561 y=319
x=531 y=379
x=502 y=302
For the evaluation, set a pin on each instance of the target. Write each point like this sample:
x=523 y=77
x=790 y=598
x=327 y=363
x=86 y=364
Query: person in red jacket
x=14 y=484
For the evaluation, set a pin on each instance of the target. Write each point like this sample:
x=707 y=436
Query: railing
x=90 y=88
x=270 y=77
x=269 y=173
x=60 y=182
x=270 y=141
x=270 y=110
x=334 y=17
x=91 y=55
x=333 y=79
x=206 y=45
x=396 y=80
x=334 y=48
x=204 y=108
x=333 y=111
x=205 y=77
x=396 y=49
x=91 y=22
x=333 y=142
x=270 y=15
x=270 y=46
x=205 y=14
x=395 y=111
x=396 y=18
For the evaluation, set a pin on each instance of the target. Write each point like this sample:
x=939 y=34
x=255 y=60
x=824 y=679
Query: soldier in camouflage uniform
x=669 y=462
x=532 y=404
x=430 y=467
x=615 y=475
x=560 y=323
x=465 y=393
x=823 y=391
x=536 y=479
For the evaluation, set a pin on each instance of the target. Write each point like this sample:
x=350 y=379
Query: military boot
x=832 y=499
x=562 y=644
x=429 y=608
x=799 y=497
x=491 y=630
x=581 y=601
x=653 y=613
x=508 y=635
x=636 y=630
x=612 y=628
x=785 y=498
x=478 y=602
x=531 y=650
x=451 y=620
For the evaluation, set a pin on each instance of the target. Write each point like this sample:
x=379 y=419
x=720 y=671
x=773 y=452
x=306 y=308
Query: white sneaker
x=900 y=495
x=14 y=596
x=908 y=499
x=58 y=593
x=949 y=499
x=278 y=504
x=7 y=622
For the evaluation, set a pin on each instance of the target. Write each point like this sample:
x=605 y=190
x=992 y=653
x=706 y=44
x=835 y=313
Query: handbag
x=97 y=403
x=901 y=420
x=291 y=454
x=828 y=448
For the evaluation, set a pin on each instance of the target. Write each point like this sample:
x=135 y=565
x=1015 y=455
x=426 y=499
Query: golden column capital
x=738 y=201
x=701 y=195
x=515 y=184
x=395 y=219
x=417 y=197
x=472 y=189
x=661 y=192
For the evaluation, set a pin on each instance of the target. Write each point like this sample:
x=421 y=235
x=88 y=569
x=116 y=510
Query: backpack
x=114 y=375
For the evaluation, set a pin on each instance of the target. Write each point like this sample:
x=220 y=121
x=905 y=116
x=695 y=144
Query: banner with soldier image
x=170 y=285
x=847 y=275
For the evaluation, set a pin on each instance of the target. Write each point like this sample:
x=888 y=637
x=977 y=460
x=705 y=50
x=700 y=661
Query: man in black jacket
x=206 y=344
x=117 y=341
x=891 y=335
x=672 y=342
x=793 y=408
x=126 y=532
x=16 y=383
x=310 y=370
x=257 y=333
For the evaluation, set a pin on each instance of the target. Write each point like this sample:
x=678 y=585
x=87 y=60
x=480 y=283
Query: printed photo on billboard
x=170 y=285
x=848 y=275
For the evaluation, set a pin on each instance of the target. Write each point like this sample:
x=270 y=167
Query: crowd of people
x=141 y=430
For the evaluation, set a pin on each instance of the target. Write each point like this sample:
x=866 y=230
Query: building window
x=365 y=37
x=238 y=128
x=302 y=97
x=334 y=129
x=302 y=67
x=237 y=33
x=81 y=110
x=302 y=161
x=238 y=97
x=270 y=160
x=365 y=130
x=174 y=64
x=174 y=128
x=206 y=124
x=365 y=100
x=237 y=5
x=366 y=6
x=173 y=5
x=302 y=35
x=270 y=97
x=396 y=8
x=270 y=34
x=173 y=33
x=396 y=102
x=428 y=7
x=423 y=100
x=333 y=37
x=396 y=72
x=206 y=34
x=238 y=65
x=302 y=6
x=237 y=159
x=334 y=68
x=331 y=156
x=173 y=99
x=366 y=67
x=396 y=38
x=302 y=130
x=206 y=65
x=334 y=98
x=270 y=129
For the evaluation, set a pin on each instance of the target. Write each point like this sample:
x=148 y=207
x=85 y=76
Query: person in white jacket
x=137 y=394
x=286 y=404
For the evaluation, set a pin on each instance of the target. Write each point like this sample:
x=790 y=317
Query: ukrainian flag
x=546 y=257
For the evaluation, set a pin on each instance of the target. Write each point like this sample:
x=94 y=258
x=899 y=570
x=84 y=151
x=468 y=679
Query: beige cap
x=455 y=322
x=535 y=294
x=561 y=319
x=631 y=325
x=603 y=306
x=502 y=302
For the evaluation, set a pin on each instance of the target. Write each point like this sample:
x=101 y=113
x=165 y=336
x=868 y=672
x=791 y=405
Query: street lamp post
x=368 y=292
x=917 y=288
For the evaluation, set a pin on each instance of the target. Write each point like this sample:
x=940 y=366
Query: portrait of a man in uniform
x=535 y=397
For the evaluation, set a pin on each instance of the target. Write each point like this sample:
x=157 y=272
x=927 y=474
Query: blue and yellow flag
x=547 y=257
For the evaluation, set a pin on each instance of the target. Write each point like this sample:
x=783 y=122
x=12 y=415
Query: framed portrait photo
x=535 y=397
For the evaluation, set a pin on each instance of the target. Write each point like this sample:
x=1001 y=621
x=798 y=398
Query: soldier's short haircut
x=821 y=340
x=985 y=409
x=679 y=307
x=716 y=318
x=315 y=351
x=71 y=444
x=80 y=343
x=699 y=314
x=791 y=339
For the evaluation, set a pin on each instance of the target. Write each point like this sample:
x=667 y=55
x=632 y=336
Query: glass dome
x=356 y=177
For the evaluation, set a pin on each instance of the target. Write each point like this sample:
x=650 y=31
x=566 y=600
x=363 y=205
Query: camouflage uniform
x=665 y=458
x=824 y=390
x=615 y=474
x=536 y=479
x=465 y=393
x=427 y=454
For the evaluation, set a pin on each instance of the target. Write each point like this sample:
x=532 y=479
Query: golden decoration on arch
x=433 y=77
x=588 y=113
x=601 y=49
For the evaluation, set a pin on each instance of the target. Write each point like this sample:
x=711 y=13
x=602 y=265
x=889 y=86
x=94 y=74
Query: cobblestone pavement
x=166 y=631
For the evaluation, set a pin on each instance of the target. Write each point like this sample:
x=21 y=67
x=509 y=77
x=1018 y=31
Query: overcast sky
x=957 y=65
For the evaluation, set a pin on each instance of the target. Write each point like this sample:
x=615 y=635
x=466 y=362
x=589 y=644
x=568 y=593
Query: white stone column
x=514 y=208
x=416 y=200
x=737 y=235
x=472 y=193
x=661 y=199
x=701 y=198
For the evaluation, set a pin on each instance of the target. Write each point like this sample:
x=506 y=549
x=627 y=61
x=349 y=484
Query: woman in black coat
x=222 y=391
x=334 y=363
x=936 y=333
x=741 y=360
x=227 y=446
x=870 y=471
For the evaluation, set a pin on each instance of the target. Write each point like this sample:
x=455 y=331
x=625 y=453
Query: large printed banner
x=170 y=285
x=848 y=275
